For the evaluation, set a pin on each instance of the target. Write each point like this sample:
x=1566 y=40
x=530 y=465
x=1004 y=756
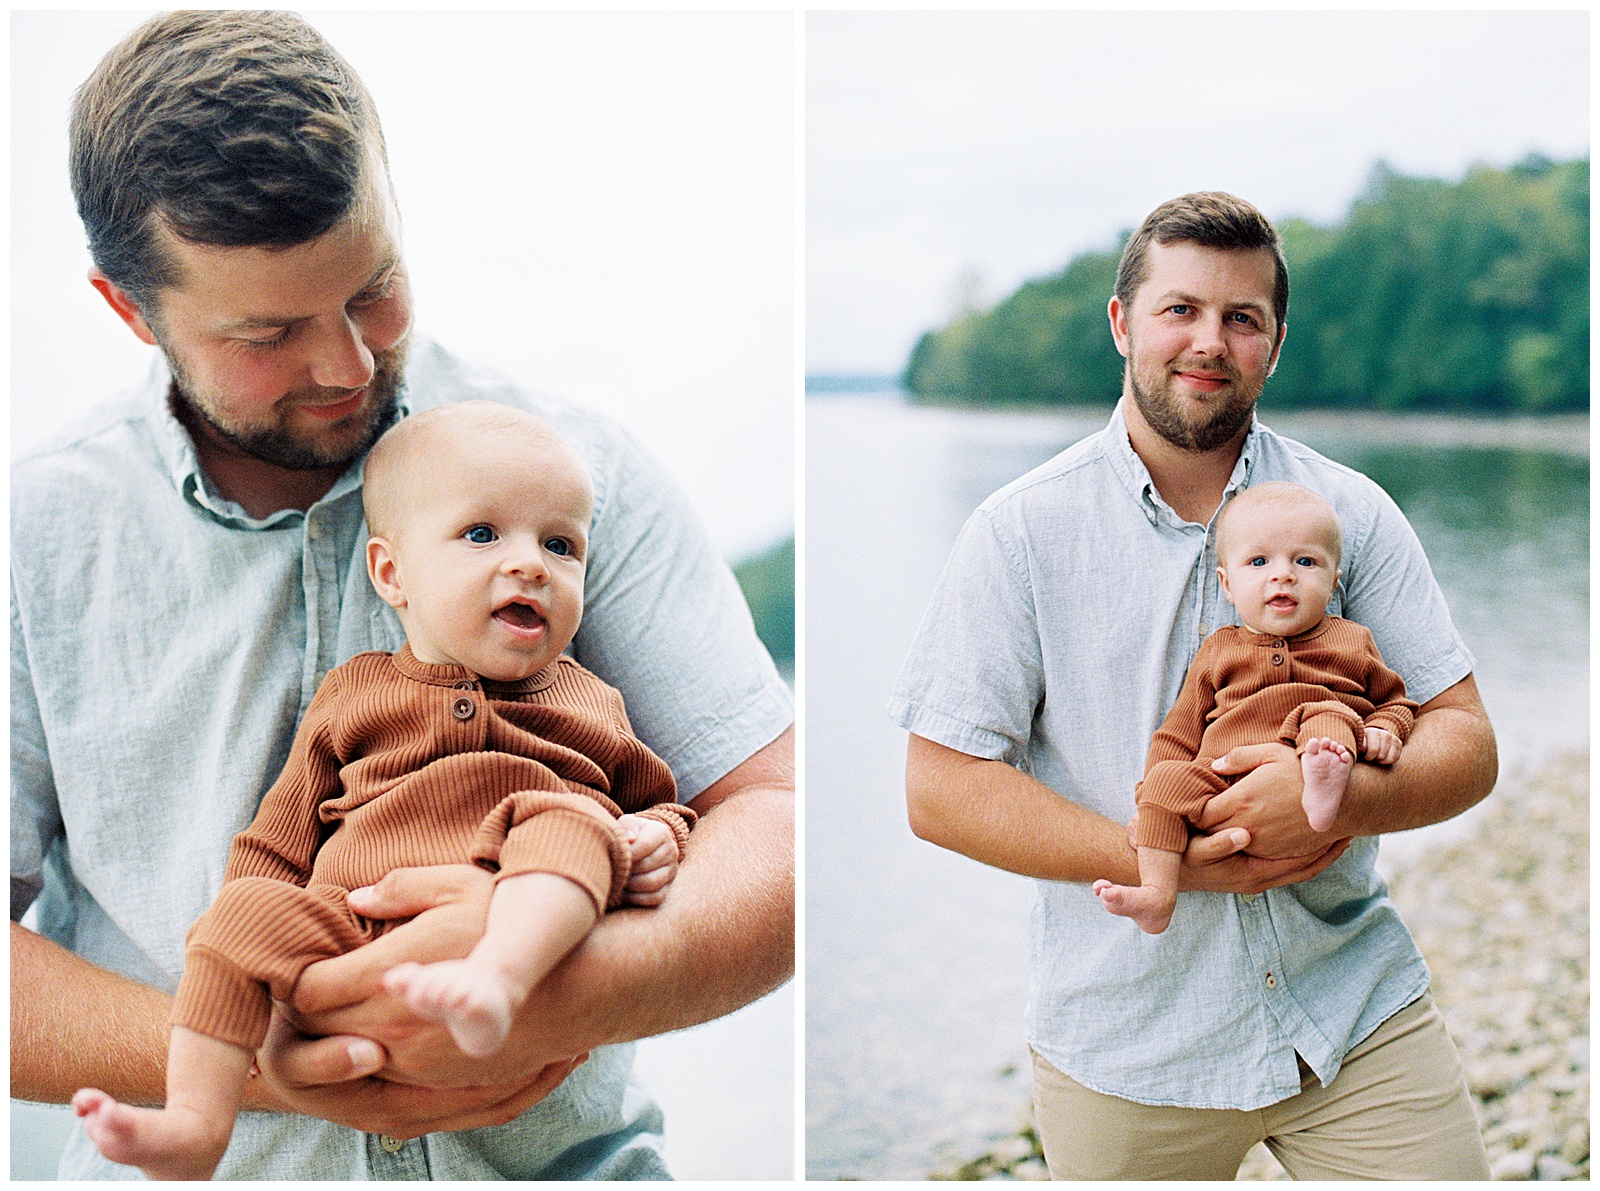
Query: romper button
x=1272 y=981
x=1279 y=644
x=464 y=685
x=1277 y=659
x=463 y=708
x=391 y=1145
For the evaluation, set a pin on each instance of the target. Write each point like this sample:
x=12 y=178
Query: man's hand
x=1266 y=803
x=654 y=853
x=332 y=1078
x=1219 y=864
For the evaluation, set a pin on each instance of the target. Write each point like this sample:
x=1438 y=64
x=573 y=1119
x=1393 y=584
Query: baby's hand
x=1380 y=746
x=655 y=860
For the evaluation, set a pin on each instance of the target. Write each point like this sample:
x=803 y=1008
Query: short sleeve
x=665 y=623
x=1389 y=587
x=975 y=674
x=35 y=815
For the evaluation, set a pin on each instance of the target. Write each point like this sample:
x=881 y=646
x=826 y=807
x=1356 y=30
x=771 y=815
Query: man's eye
x=559 y=546
x=1180 y=308
x=480 y=535
x=277 y=340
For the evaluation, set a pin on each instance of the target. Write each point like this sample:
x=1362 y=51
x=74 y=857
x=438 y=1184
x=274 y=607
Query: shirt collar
x=178 y=456
x=1135 y=476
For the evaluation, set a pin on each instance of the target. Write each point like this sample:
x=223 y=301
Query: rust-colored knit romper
x=400 y=763
x=1245 y=687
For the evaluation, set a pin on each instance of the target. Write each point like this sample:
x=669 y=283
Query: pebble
x=1502 y=917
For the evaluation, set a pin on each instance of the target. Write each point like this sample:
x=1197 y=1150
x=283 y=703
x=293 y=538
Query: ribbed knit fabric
x=400 y=763
x=1247 y=688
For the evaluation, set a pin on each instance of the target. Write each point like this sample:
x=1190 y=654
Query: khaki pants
x=1398 y=1109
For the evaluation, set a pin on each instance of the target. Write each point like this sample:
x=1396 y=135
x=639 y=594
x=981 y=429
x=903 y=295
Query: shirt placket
x=320 y=577
x=391 y=1159
x=1272 y=987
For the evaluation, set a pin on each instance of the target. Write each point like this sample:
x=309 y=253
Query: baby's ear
x=384 y=571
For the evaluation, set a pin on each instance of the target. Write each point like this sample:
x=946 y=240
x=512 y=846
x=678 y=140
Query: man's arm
x=723 y=937
x=1449 y=764
x=996 y=814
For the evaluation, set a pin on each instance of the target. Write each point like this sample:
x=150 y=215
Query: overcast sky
x=999 y=145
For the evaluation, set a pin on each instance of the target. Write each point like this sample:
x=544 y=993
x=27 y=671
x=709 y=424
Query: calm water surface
x=916 y=971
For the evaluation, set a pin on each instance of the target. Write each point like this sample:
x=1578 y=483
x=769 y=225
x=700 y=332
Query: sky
x=950 y=156
x=602 y=205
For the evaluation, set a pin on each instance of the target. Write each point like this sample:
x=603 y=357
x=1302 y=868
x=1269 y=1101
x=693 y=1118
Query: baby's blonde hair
x=1283 y=495
x=406 y=443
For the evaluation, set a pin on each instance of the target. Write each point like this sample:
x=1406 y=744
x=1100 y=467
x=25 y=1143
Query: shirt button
x=390 y=1145
x=1277 y=659
x=1272 y=981
x=463 y=708
x=464 y=685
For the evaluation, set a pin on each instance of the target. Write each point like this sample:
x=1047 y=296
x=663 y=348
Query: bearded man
x=186 y=567
x=1287 y=1002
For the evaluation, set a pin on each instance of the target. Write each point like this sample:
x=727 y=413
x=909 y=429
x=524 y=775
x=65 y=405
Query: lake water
x=915 y=957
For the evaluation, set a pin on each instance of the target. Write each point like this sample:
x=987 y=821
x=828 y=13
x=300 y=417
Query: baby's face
x=1278 y=567
x=490 y=552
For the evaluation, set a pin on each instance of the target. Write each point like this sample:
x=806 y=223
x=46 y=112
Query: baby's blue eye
x=480 y=535
x=1258 y=561
x=1306 y=561
x=559 y=546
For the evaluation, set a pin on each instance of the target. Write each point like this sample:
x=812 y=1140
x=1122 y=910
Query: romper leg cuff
x=216 y=998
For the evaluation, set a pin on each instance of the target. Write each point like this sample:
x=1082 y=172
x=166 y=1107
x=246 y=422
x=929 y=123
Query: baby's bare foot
x=472 y=1003
x=1149 y=907
x=164 y=1143
x=1325 y=770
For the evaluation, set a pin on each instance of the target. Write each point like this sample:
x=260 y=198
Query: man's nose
x=340 y=359
x=1206 y=336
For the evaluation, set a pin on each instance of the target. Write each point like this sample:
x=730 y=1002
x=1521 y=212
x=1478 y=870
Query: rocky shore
x=1502 y=917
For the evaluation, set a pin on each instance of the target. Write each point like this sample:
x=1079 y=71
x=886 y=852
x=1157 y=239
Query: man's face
x=294 y=356
x=1200 y=340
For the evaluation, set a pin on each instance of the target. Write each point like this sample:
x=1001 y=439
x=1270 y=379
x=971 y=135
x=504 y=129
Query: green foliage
x=1468 y=296
x=768 y=584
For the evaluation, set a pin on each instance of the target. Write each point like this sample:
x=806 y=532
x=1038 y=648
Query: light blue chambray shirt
x=164 y=646
x=1056 y=640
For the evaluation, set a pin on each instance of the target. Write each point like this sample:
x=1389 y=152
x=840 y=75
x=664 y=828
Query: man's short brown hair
x=1212 y=219
x=228 y=128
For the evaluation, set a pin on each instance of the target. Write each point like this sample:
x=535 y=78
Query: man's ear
x=1277 y=351
x=127 y=310
x=1119 y=324
x=384 y=571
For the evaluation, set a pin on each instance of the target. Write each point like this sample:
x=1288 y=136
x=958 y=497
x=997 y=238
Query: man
x=232 y=178
x=1286 y=1002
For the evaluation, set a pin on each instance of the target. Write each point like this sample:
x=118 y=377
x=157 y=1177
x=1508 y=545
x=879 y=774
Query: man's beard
x=1226 y=416
x=279 y=445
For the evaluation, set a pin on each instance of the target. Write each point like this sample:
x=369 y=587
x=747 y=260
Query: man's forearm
x=1449 y=764
x=74 y=1025
x=723 y=937
x=997 y=814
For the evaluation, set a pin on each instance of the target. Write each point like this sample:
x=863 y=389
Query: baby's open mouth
x=521 y=616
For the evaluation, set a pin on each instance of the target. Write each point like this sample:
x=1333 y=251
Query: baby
x=476 y=741
x=1290 y=673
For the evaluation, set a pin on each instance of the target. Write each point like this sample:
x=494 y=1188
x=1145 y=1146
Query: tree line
x=1469 y=296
